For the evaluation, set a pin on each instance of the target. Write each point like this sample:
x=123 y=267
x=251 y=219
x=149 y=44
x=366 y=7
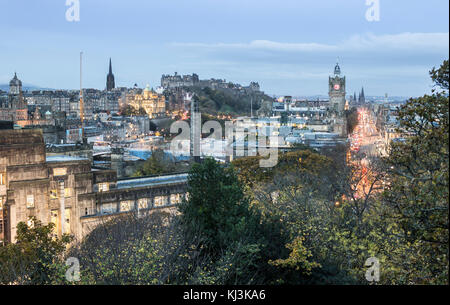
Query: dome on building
x=15 y=81
x=147 y=88
x=48 y=112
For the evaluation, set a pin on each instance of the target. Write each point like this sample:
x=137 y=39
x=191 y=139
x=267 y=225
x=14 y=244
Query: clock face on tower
x=336 y=87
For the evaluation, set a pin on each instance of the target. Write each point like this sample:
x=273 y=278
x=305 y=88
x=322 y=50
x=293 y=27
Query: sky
x=289 y=46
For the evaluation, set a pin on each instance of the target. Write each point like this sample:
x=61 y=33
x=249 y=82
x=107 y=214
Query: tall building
x=15 y=86
x=110 y=84
x=15 y=109
x=336 y=90
x=362 y=98
x=195 y=135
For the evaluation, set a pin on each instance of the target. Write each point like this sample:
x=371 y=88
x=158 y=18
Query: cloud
x=395 y=63
x=427 y=42
x=262 y=45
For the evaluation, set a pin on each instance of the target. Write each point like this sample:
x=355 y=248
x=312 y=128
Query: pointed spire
x=110 y=78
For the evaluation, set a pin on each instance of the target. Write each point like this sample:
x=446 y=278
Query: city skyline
x=391 y=56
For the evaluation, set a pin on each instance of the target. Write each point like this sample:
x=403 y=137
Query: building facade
x=336 y=90
x=66 y=191
x=153 y=103
x=14 y=108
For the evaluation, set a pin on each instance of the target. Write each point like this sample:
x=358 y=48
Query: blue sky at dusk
x=288 y=46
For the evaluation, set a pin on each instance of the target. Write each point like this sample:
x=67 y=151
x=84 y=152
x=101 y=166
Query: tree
x=36 y=257
x=352 y=119
x=129 y=110
x=216 y=206
x=157 y=164
x=235 y=237
x=417 y=192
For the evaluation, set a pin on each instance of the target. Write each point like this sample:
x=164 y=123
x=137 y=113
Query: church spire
x=362 y=98
x=110 y=84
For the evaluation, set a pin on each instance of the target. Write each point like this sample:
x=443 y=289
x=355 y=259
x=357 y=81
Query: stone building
x=336 y=87
x=65 y=190
x=154 y=104
x=175 y=81
x=14 y=108
x=336 y=90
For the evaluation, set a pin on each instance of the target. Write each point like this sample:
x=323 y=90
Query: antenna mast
x=81 y=96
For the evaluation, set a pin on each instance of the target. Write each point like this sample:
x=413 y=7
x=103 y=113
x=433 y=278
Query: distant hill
x=215 y=101
x=25 y=87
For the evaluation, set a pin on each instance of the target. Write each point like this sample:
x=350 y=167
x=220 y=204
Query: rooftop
x=64 y=158
x=150 y=181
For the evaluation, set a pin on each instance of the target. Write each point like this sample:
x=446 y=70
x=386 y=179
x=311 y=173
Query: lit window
x=53 y=194
x=54 y=219
x=103 y=187
x=67 y=192
x=30 y=223
x=126 y=205
x=175 y=198
x=143 y=203
x=2 y=178
x=59 y=171
x=30 y=201
x=160 y=201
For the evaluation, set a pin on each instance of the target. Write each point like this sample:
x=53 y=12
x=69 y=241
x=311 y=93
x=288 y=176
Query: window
x=54 y=219
x=30 y=201
x=108 y=208
x=53 y=194
x=103 y=187
x=126 y=205
x=67 y=224
x=30 y=223
x=68 y=192
x=2 y=178
x=143 y=203
x=160 y=201
x=59 y=171
x=175 y=198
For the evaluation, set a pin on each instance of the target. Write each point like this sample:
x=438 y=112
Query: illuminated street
x=363 y=148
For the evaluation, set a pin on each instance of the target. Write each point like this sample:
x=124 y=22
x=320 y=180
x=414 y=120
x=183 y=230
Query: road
x=364 y=138
x=363 y=147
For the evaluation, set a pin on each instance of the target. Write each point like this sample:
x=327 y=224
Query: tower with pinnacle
x=336 y=90
x=110 y=84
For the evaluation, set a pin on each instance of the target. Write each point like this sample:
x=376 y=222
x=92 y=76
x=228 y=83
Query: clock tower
x=336 y=90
